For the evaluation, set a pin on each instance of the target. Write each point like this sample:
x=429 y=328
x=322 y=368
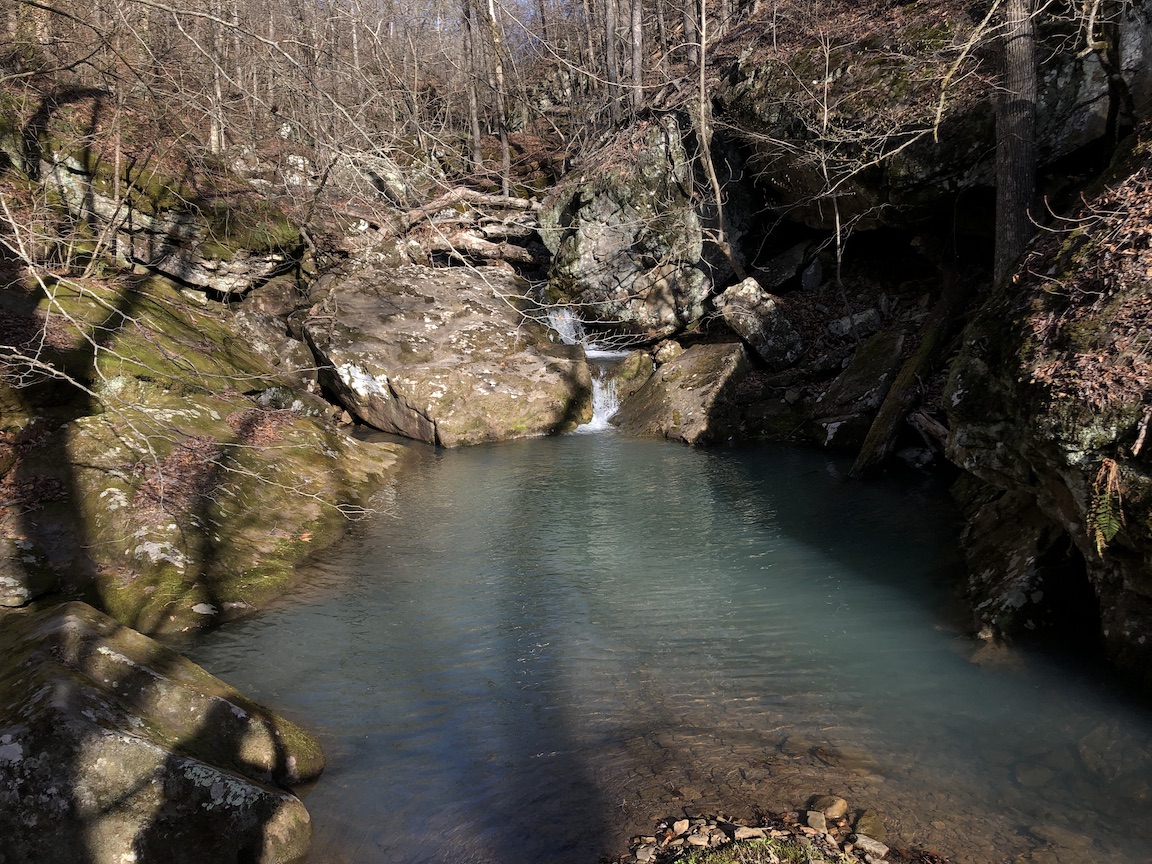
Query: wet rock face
x=686 y=398
x=625 y=239
x=1047 y=404
x=114 y=748
x=444 y=356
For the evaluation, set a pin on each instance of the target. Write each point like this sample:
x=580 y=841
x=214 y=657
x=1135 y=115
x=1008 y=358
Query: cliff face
x=1049 y=406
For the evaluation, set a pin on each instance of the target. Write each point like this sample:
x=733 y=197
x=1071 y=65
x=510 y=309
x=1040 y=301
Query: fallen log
x=902 y=395
x=464 y=245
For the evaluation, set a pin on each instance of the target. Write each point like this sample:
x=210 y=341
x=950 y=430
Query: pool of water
x=537 y=649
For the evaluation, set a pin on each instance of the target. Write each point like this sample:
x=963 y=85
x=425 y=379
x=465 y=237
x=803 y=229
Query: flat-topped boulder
x=445 y=356
x=114 y=748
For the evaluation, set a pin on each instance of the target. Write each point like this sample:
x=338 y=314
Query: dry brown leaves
x=1091 y=323
x=258 y=426
x=183 y=479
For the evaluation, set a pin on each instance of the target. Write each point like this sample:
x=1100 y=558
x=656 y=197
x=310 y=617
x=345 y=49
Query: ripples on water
x=547 y=645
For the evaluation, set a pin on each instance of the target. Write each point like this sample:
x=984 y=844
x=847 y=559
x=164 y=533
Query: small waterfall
x=605 y=401
x=567 y=326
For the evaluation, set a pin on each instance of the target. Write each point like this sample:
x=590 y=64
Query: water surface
x=542 y=647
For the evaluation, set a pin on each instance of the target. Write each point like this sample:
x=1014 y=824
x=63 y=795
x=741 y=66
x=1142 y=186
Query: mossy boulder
x=114 y=748
x=626 y=241
x=111 y=194
x=447 y=356
x=162 y=484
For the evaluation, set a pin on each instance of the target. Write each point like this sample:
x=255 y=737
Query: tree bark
x=1015 y=137
x=637 y=55
x=611 y=60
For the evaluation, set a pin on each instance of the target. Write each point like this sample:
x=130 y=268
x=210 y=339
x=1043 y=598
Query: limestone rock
x=445 y=356
x=869 y=845
x=171 y=234
x=114 y=748
x=757 y=317
x=626 y=241
x=686 y=398
x=832 y=806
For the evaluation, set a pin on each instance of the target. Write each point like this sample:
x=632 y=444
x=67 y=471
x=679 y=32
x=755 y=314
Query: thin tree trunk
x=637 y=55
x=501 y=106
x=691 y=34
x=1015 y=137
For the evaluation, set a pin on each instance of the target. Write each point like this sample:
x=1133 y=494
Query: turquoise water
x=537 y=649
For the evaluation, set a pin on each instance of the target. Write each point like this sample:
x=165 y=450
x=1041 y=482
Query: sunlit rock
x=445 y=356
x=114 y=748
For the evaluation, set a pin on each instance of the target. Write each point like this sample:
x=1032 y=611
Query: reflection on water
x=548 y=645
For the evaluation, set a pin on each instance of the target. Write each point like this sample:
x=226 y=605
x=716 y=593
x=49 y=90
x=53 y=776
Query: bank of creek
x=536 y=650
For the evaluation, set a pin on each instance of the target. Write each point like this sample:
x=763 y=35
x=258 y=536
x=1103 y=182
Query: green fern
x=1105 y=512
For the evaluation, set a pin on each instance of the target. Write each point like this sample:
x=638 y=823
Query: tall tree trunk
x=611 y=60
x=472 y=70
x=501 y=103
x=1015 y=137
x=637 y=55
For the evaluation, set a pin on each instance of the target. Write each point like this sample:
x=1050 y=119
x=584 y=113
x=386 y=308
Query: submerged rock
x=685 y=399
x=114 y=748
x=445 y=356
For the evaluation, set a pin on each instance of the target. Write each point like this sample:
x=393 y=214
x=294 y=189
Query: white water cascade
x=605 y=401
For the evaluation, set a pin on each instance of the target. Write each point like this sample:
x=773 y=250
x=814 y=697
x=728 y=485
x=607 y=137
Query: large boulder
x=445 y=356
x=114 y=748
x=759 y=319
x=1048 y=406
x=150 y=489
x=687 y=398
x=626 y=241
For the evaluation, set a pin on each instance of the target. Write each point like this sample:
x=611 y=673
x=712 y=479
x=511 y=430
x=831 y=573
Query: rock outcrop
x=114 y=748
x=758 y=318
x=1048 y=405
x=149 y=488
x=445 y=356
x=625 y=239
x=903 y=126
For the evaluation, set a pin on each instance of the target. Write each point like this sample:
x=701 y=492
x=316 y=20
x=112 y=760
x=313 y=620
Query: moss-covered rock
x=687 y=399
x=115 y=748
x=156 y=486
